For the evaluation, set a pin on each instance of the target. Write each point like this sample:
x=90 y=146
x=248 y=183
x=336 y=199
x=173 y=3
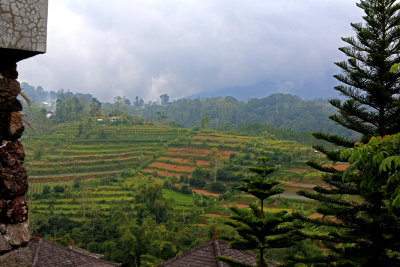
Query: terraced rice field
x=178 y=161
x=145 y=150
x=69 y=156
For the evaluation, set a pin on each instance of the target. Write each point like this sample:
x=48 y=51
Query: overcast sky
x=183 y=47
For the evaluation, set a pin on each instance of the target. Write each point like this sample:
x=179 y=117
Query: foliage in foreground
x=355 y=207
x=256 y=230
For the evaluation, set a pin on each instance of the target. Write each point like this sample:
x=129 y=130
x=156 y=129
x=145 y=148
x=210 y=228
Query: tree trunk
x=262 y=208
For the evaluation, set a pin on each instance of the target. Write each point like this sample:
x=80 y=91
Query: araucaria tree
x=259 y=231
x=363 y=229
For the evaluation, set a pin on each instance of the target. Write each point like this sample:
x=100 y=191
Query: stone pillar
x=14 y=232
x=23 y=31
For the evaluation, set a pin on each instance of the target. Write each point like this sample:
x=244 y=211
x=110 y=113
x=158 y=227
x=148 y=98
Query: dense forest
x=224 y=113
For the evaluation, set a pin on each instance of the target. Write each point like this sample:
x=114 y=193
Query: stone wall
x=23 y=33
x=23 y=25
x=14 y=232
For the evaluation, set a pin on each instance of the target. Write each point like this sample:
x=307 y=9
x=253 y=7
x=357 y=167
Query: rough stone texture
x=13 y=182
x=23 y=33
x=23 y=24
x=4 y=244
x=14 y=231
x=16 y=128
x=17 y=234
x=17 y=210
x=12 y=154
x=17 y=258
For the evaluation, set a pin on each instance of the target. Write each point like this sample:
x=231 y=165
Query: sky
x=147 y=48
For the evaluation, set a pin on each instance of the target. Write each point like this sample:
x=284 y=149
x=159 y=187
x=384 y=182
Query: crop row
x=153 y=168
x=69 y=152
x=37 y=188
x=78 y=163
x=98 y=156
x=81 y=169
x=113 y=141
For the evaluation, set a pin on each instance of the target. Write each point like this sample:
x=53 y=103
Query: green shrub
x=201 y=173
x=185 y=189
x=218 y=187
x=59 y=189
x=46 y=190
x=196 y=182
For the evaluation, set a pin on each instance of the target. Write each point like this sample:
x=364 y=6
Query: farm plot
x=177 y=161
x=173 y=160
x=166 y=166
x=202 y=152
x=221 y=140
x=68 y=155
x=157 y=172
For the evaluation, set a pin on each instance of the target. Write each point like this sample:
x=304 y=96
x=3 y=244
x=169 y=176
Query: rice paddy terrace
x=142 y=154
x=108 y=151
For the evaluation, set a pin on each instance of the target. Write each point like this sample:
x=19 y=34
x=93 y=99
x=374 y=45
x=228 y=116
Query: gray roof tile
x=48 y=254
x=205 y=254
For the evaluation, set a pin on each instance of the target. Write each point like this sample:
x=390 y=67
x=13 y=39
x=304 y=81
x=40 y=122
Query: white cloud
x=180 y=47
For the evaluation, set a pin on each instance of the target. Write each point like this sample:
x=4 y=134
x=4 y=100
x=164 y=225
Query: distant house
x=114 y=118
x=100 y=120
x=45 y=253
x=49 y=114
x=206 y=255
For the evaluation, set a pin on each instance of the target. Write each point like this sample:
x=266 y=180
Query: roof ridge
x=37 y=252
x=186 y=252
x=217 y=249
x=71 y=251
x=83 y=251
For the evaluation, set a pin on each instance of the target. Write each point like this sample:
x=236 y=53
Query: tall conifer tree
x=363 y=229
x=259 y=231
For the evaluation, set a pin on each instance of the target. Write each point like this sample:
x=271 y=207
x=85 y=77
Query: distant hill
x=38 y=94
x=265 y=88
x=280 y=110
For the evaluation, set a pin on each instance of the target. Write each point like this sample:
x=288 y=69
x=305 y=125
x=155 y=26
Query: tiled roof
x=205 y=255
x=46 y=253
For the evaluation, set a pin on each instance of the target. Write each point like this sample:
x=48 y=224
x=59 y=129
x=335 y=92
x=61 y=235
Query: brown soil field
x=297 y=170
x=339 y=167
x=187 y=161
x=205 y=192
x=226 y=153
x=172 y=167
x=186 y=150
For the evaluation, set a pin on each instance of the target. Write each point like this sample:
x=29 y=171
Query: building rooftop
x=206 y=255
x=46 y=253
